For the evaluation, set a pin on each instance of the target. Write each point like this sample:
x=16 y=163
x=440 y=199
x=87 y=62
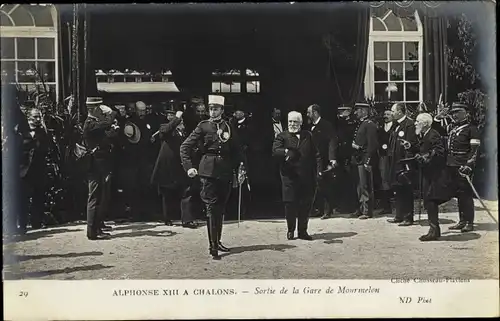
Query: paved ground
x=342 y=248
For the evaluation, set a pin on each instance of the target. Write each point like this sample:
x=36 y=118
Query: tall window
x=29 y=46
x=394 y=64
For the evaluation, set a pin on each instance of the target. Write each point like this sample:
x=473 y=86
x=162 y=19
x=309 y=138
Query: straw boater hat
x=216 y=100
x=93 y=101
x=132 y=132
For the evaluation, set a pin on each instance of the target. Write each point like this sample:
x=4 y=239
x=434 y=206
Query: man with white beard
x=300 y=166
x=431 y=156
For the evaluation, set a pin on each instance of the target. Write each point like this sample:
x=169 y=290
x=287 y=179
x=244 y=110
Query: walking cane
x=420 y=191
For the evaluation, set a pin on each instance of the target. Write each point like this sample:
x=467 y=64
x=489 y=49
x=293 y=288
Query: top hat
x=457 y=106
x=197 y=100
x=93 y=101
x=169 y=109
x=216 y=100
x=132 y=132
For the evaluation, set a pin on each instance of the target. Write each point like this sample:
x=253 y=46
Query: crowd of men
x=187 y=161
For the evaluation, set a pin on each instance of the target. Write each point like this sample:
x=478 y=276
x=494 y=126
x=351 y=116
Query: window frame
x=36 y=33
x=394 y=36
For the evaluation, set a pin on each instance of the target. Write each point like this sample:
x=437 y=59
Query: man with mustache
x=221 y=156
x=301 y=164
x=431 y=156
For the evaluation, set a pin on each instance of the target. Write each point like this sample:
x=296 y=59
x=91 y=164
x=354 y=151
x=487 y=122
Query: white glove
x=179 y=114
x=106 y=110
x=192 y=172
x=333 y=163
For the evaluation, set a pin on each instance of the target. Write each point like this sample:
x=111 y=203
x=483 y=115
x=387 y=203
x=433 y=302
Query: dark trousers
x=326 y=194
x=298 y=212
x=33 y=203
x=364 y=179
x=214 y=194
x=385 y=192
x=403 y=195
x=191 y=205
x=98 y=201
x=345 y=189
x=175 y=203
x=432 y=208
x=461 y=188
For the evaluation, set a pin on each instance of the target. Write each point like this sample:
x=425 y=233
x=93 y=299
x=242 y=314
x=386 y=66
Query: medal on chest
x=401 y=134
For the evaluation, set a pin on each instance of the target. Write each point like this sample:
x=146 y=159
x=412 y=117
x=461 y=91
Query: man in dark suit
x=301 y=164
x=385 y=192
x=221 y=157
x=431 y=159
x=98 y=134
x=326 y=140
x=168 y=173
x=365 y=146
x=34 y=171
x=402 y=143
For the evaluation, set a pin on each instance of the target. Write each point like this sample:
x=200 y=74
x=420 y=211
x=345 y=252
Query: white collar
x=426 y=132
x=387 y=126
x=317 y=121
x=401 y=119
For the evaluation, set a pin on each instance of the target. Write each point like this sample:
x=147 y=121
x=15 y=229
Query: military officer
x=221 y=155
x=402 y=143
x=462 y=148
x=346 y=187
x=365 y=145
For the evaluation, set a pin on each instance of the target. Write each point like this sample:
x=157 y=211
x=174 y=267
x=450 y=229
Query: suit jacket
x=168 y=169
x=219 y=158
x=298 y=176
x=326 y=140
x=404 y=130
x=97 y=132
x=433 y=172
x=35 y=151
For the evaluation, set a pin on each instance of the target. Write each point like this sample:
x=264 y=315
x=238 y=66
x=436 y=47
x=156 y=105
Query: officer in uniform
x=221 y=155
x=462 y=148
x=365 y=146
x=346 y=188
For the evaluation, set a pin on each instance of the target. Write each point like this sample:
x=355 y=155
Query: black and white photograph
x=337 y=143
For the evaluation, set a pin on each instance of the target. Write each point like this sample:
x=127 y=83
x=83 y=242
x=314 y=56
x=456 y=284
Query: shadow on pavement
x=254 y=248
x=331 y=238
x=459 y=237
x=37 y=234
x=39 y=274
x=144 y=233
x=425 y=222
x=46 y=256
x=271 y=221
x=136 y=227
x=486 y=226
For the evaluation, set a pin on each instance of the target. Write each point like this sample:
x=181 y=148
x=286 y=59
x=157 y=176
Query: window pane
x=25 y=48
x=26 y=71
x=380 y=50
x=4 y=20
x=7 y=48
x=411 y=50
x=378 y=25
x=22 y=17
x=45 y=48
x=225 y=88
x=396 y=49
x=48 y=70
x=42 y=15
x=253 y=86
x=396 y=71
x=216 y=87
x=381 y=71
x=409 y=23
x=392 y=23
x=380 y=92
x=395 y=91
x=412 y=92
x=411 y=70
x=236 y=87
x=8 y=75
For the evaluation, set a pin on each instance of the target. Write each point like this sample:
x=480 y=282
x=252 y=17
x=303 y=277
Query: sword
x=477 y=196
x=239 y=204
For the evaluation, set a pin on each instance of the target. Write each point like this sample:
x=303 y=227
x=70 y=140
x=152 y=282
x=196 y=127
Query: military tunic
x=461 y=152
x=364 y=157
x=221 y=156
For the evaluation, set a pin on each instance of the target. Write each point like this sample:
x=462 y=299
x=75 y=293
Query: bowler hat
x=132 y=132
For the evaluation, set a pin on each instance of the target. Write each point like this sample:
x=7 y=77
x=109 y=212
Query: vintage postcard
x=249 y=160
